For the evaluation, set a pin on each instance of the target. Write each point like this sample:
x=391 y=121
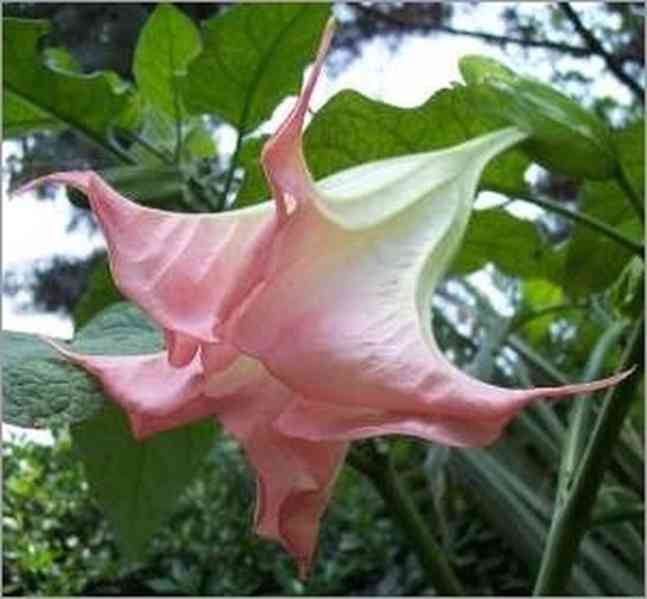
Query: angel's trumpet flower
x=304 y=323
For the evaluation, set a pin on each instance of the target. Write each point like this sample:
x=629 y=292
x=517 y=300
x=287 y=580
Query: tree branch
x=596 y=48
x=372 y=12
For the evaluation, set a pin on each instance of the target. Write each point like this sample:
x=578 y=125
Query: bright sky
x=33 y=230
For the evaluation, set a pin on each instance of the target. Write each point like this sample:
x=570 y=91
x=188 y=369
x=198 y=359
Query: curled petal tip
x=580 y=388
x=77 y=179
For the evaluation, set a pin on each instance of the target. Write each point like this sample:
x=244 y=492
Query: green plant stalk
x=583 y=410
x=394 y=494
x=572 y=518
x=222 y=201
x=585 y=219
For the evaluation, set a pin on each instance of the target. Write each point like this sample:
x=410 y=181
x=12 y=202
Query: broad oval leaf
x=252 y=59
x=167 y=44
x=87 y=103
x=138 y=483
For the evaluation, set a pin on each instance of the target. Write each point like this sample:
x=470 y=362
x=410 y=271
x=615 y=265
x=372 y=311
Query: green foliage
x=564 y=136
x=55 y=539
x=21 y=118
x=57 y=542
x=41 y=388
x=253 y=189
x=593 y=262
x=252 y=57
x=137 y=483
x=513 y=245
x=167 y=44
x=33 y=90
x=99 y=294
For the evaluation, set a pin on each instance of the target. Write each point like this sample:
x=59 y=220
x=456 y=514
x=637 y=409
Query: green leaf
x=253 y=57
x=167 y=44
x=537 y=295
x=629 y=147
x=565 y=137
x=20 y=118
x=138 y=483
x=628 y=293
x=99 y=293
x=513 y=245
x=593 y=261
x=59 y=59
x=254 y=187
x=88 y=103
x=199 y=143
x=351 y=129
x=477 y=69
x=42 y=389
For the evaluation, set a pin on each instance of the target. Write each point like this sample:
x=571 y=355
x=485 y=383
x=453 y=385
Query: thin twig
x=589 y=221
x=596 y=48
x=488 y=37
x=222 y=202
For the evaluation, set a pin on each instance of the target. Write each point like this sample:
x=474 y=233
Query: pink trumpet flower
x=304 y=323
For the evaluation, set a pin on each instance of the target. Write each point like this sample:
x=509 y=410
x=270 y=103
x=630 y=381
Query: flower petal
x=295 y=477
x=343 y=316
x=344 y=312
x=187 y=271
x=155 y=395
x=328 y=422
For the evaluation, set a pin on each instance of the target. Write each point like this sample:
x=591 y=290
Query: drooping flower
x=304 y=323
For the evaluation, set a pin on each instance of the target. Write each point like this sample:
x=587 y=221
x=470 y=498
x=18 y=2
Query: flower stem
x=572 y=515
x=381 y=472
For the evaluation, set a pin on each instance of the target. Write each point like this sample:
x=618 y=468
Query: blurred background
x=56 y=541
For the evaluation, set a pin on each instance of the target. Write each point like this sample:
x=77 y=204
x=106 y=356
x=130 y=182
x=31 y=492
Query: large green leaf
x=352 y=129
x=512 y=244
x=20 y=118
x=564 y=136
x=138 y=483
x=253 y=57
x=88 y=103
x=167 y=44
x=594 y=261
x=42 y=389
